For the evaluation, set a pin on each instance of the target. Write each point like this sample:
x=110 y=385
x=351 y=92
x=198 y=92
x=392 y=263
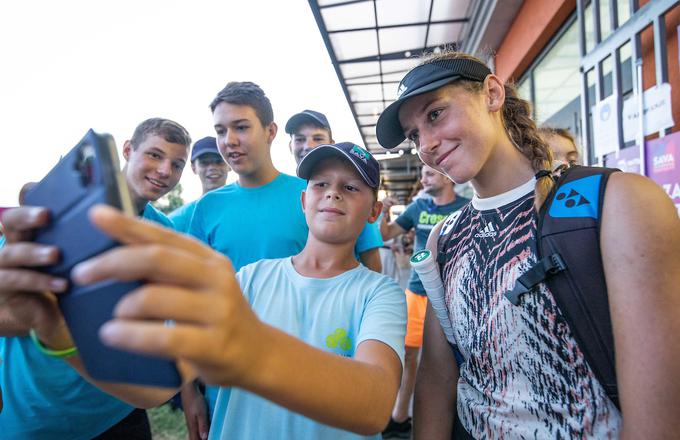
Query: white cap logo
x=401 y=91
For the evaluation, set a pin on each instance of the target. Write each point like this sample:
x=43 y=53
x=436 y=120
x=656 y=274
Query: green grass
x=167 y=424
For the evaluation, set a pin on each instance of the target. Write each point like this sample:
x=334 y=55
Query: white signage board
x=658 y=112
x=605 y=126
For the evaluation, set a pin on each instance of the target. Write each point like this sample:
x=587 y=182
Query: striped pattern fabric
x=524 y=375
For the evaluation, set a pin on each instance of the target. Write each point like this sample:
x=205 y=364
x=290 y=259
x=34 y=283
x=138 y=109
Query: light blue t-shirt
x=249 y=224
x=45 y=399
x=181 y=217
x=154 y=215
x=333 y=314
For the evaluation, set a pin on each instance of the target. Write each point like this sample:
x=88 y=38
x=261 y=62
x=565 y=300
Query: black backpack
x=570 y=263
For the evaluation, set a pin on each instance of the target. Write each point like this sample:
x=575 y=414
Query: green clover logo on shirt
x=340 y=339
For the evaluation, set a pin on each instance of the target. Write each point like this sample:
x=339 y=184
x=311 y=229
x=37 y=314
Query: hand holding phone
x=88 y=175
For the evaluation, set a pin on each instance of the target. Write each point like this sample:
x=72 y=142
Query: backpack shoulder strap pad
x=569 y=226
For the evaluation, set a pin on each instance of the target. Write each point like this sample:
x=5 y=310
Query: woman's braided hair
x=518 y=123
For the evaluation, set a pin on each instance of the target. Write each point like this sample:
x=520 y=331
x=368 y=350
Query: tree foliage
x=171 y=201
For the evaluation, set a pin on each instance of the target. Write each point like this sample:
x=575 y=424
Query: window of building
x=606 y=25
x=553 y=82
x=556 y=79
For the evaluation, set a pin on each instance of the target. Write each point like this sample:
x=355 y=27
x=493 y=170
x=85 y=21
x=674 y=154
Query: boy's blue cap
x=204 y=146
x=423 y=79
x=306 y=116
x=363 y=161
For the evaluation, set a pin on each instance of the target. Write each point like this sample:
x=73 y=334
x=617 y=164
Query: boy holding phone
x=44 y=398
x=311 y=344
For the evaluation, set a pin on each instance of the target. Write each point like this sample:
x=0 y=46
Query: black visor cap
x=423 y=79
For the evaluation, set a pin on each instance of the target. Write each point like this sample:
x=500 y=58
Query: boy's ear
x=302 y=200
x=375 y=211
x=272 y=129
x=193 y=167
x=127 y=149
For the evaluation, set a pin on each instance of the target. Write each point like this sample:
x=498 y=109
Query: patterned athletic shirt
x=523 y=377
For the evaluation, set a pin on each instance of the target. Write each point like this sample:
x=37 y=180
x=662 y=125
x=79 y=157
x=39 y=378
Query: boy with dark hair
x=310 y=345
x=44 y=397
x=249 y=94
x=309 y=129
x=258 y=216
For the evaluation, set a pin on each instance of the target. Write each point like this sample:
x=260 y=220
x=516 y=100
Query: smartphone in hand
x=88 y=175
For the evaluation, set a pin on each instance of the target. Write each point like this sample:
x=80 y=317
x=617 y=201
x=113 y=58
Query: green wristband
x=67 y=352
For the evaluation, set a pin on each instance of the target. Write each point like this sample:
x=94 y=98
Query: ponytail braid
x=524 y=134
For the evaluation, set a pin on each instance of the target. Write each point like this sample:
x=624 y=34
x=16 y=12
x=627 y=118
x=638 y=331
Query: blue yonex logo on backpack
x=580 y=198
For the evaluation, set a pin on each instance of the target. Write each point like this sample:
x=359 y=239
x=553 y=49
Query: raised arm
x=136 y=395
x=389 y=229
x=314 y=382
x=9 y=326
x=27 y=301
x=640 y=240
x=219 y=335
x=434 y=405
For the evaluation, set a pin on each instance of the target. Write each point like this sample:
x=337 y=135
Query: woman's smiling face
x=452 y=130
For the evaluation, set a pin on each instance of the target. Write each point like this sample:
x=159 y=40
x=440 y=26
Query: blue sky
x=71 y=65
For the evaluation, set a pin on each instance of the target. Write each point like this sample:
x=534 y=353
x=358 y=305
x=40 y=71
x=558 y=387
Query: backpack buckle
x=556 y=264
x=514 y=295
x=539 y=272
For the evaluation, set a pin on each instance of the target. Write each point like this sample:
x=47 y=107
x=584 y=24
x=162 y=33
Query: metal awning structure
x=372 y=44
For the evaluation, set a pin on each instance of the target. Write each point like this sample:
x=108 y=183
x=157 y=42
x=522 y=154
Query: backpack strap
x=569 y=228
x=570 y=263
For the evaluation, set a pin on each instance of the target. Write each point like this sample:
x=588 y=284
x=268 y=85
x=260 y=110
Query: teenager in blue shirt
x=257 y=217
x=211 y=169
x=44 y=398
x=317 y=333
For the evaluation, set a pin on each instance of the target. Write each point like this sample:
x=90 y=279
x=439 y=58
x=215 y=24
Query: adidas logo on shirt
x=489 y=231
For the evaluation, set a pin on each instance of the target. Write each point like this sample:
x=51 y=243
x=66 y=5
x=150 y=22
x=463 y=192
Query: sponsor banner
x=662 y=159
x=658 y=112
x=663 y=164
x=605 y=126
x=627 y=160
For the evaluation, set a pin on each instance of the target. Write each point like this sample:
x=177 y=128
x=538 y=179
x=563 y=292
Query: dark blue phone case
x=86 y=176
